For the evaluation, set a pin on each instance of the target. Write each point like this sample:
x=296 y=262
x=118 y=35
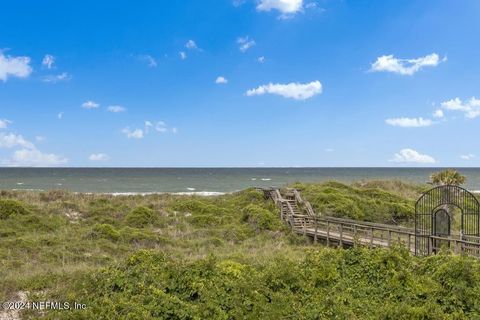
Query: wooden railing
x=347 y=232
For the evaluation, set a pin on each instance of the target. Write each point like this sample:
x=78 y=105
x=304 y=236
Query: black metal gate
x=434 y=215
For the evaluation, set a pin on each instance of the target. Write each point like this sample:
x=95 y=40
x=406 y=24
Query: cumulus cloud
x=35 y=158
x=467 y=156
x=245 y=43
x=116 y=109
x=133 y=134
x=14 y=67
x=161 y=127
x=221 y=80
x=12 y=140
x=182 y=55
x=27 y=155
x=53 y=78
x=471 y=107
x=98 y=157
x=148 y=59
x=261 y=59
x=4 y=123
x=438 y=113
x=412 y=156
x=388 y=63
x=293 y=90
x=90 y=105
x=191 y=45
x=409 y=122
x=287 y=8
x=149 y=127
x=48 y=61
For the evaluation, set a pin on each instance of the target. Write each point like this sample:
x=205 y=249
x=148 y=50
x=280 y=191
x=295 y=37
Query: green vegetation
x=326 y=284
x=226 y=257
x=449 y=176
x=375 y=201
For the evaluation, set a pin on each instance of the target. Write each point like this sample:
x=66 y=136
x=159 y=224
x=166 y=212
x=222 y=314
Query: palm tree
x=447 y=177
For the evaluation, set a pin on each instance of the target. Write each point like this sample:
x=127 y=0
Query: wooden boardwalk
x=300 y=216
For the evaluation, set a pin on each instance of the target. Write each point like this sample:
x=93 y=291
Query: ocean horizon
x=202 y=181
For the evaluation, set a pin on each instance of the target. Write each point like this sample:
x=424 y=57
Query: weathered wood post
x=316 y=230
x=371 y=237
x=341 y=234
x=328 y=233
x=304 y=227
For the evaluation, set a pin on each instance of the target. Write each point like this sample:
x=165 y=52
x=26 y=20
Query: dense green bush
x=260 y=218
x=141 y=217
x=105 y=231
x=362 y=203
x=10 y=207
x=357 y=283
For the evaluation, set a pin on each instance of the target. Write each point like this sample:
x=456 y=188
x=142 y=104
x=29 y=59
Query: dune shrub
x=260 y=218
x=105 y=231
x=10 y=208
x=141 y=217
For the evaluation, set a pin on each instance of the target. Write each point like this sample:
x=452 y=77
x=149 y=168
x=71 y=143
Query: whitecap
x=191 y=189
x=198 y=193
x=266 y=179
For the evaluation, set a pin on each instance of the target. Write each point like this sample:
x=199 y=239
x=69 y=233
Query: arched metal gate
x=436 y=212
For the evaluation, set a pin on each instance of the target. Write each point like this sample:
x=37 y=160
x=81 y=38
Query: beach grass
x=73 y=246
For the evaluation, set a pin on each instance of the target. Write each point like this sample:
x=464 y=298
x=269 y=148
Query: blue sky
x=240 y=83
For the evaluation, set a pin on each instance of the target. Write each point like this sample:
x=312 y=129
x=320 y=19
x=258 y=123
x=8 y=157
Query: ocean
x=206 y=181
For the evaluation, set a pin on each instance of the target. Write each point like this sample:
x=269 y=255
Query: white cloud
x=98 y=157
x=245 y=43
x=148 y=125
x=35 y=158
x=135 y=134
x=467 y=156
x=53 y=78
x=470 y=108
x=286 y=7
x=40 y=138
x=409 y=122
x=191 y=45
x=261 y=59
x=14 y=67
x=161 y=127
x=4 y=123
x=412 y=156
x=174 y=130
x=297 y=91
x=48 y=61
x=221 y=80
x=388 y=63
x=183 y=55
x=151 y=62
x=12 y=140
x=438 y=114
x=28 y=154
x=60 y=115
x=116 y=109
x=90 y=105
